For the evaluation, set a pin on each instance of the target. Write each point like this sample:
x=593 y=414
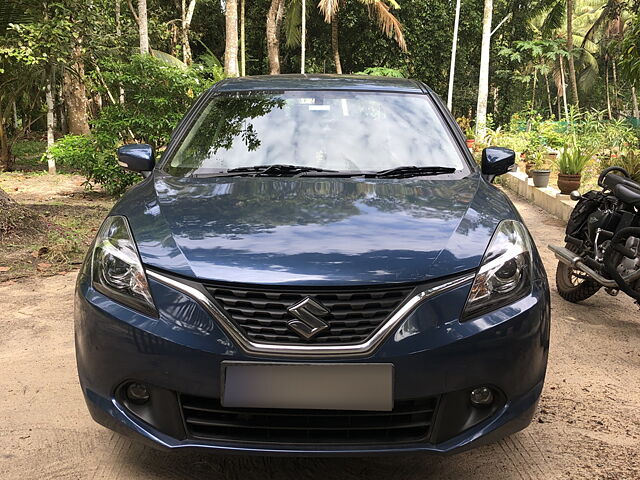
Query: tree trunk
x=533 y=93
x=231 y=40
x=143 y=26
x=564 y=90
x=61 y=109
x=6 y=160
x=118 y=35
x=15 y=115
x=483 y=82
x=615 y=85
x=186 y=15
x=274 y=18
x=546 y=82
x=50 y=120
x=572 y=68
x=335 y=46
x=634 y=98
x=243 y=43
x=303 y=36
x=454 y=49
x=75 y=95
x=606 y=86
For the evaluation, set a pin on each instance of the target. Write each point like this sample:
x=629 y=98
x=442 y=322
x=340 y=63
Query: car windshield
x=342 y=131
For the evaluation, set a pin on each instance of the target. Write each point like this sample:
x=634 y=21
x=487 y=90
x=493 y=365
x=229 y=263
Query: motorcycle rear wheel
x=574 y=285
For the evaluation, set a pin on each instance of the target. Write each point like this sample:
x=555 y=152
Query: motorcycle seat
x=627 y=193
x=613 y=180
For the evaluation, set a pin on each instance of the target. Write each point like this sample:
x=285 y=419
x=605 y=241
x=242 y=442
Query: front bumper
x=434 y=356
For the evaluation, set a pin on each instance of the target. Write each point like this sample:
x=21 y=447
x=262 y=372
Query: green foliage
x=630 y=161
x=630 y=50
x=573 y=160
x=156 y=94
x=28 y=149
x=382 y=72
x=82 y=153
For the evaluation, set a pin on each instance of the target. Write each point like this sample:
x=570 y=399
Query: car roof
x=319 y=82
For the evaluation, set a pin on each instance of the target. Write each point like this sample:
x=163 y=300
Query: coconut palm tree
x=380 y=9
x=231 y=38
x=274 y=25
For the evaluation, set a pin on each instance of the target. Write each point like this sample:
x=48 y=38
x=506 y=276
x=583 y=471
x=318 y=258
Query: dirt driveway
x=588 y=424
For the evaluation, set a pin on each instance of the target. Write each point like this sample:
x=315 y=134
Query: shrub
x=99 y=167
x=382 y=72
x=157 y=94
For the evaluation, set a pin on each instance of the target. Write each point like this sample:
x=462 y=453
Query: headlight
x=116 y=270
x=505 y=273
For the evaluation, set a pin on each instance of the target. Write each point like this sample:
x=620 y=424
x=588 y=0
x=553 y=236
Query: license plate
x=308 y=386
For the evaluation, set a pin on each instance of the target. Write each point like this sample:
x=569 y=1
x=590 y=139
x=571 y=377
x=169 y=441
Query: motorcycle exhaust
x=570 y=258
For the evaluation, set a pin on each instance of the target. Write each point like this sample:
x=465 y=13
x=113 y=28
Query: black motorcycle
x=602 y=240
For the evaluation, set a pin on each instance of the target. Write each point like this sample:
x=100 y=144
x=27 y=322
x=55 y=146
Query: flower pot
x=541 y=178
x=567 y=183
x=471 y=142
x=528 y=167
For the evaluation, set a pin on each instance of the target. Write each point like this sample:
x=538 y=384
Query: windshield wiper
x=412 y=171
x=277 y=170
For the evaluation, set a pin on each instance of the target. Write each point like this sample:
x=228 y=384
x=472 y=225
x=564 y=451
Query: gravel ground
x=587 y=426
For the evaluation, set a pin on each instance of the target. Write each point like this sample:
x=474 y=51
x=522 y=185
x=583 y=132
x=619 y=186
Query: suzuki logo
x=307 y=324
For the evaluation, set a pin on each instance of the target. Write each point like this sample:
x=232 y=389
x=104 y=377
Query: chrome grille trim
x=351 y=313
x=311 y=350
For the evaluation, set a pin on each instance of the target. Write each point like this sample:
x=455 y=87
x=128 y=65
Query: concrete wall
x=549 y=199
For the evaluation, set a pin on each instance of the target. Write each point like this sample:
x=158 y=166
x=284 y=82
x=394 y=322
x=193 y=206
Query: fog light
x=481 y=396
x=138 y=393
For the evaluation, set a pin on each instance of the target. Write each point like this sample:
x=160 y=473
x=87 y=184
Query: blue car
x=314 y=266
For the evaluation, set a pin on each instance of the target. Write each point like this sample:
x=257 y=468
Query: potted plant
x=540 y=172
x=530 y=162
x=471 y=141
x=571 y=162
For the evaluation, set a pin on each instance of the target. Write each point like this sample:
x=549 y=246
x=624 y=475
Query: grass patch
x=25 y=150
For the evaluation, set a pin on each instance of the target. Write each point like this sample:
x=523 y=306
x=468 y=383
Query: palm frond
x=610 y=13
x=389 y=24
x=554 y=18
x=168 y=59
x=589 y=70
x=209 y=58
x=328 y=8
x=292 y=24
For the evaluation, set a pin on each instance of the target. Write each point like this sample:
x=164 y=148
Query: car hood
x=305 y=230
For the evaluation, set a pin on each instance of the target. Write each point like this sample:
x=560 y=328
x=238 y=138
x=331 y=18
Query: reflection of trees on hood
x=245 y=206
x=225 y=119
x=436 y=199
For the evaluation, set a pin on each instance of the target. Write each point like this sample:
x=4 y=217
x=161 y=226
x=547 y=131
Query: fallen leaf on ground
x=5 y=269
x=43 y=266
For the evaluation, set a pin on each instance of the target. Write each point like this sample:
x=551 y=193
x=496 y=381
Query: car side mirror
x=136 y=157
x=497 y=161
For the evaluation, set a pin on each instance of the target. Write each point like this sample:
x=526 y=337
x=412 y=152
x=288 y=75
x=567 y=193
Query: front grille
x=355 y=312
x=409 y=421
